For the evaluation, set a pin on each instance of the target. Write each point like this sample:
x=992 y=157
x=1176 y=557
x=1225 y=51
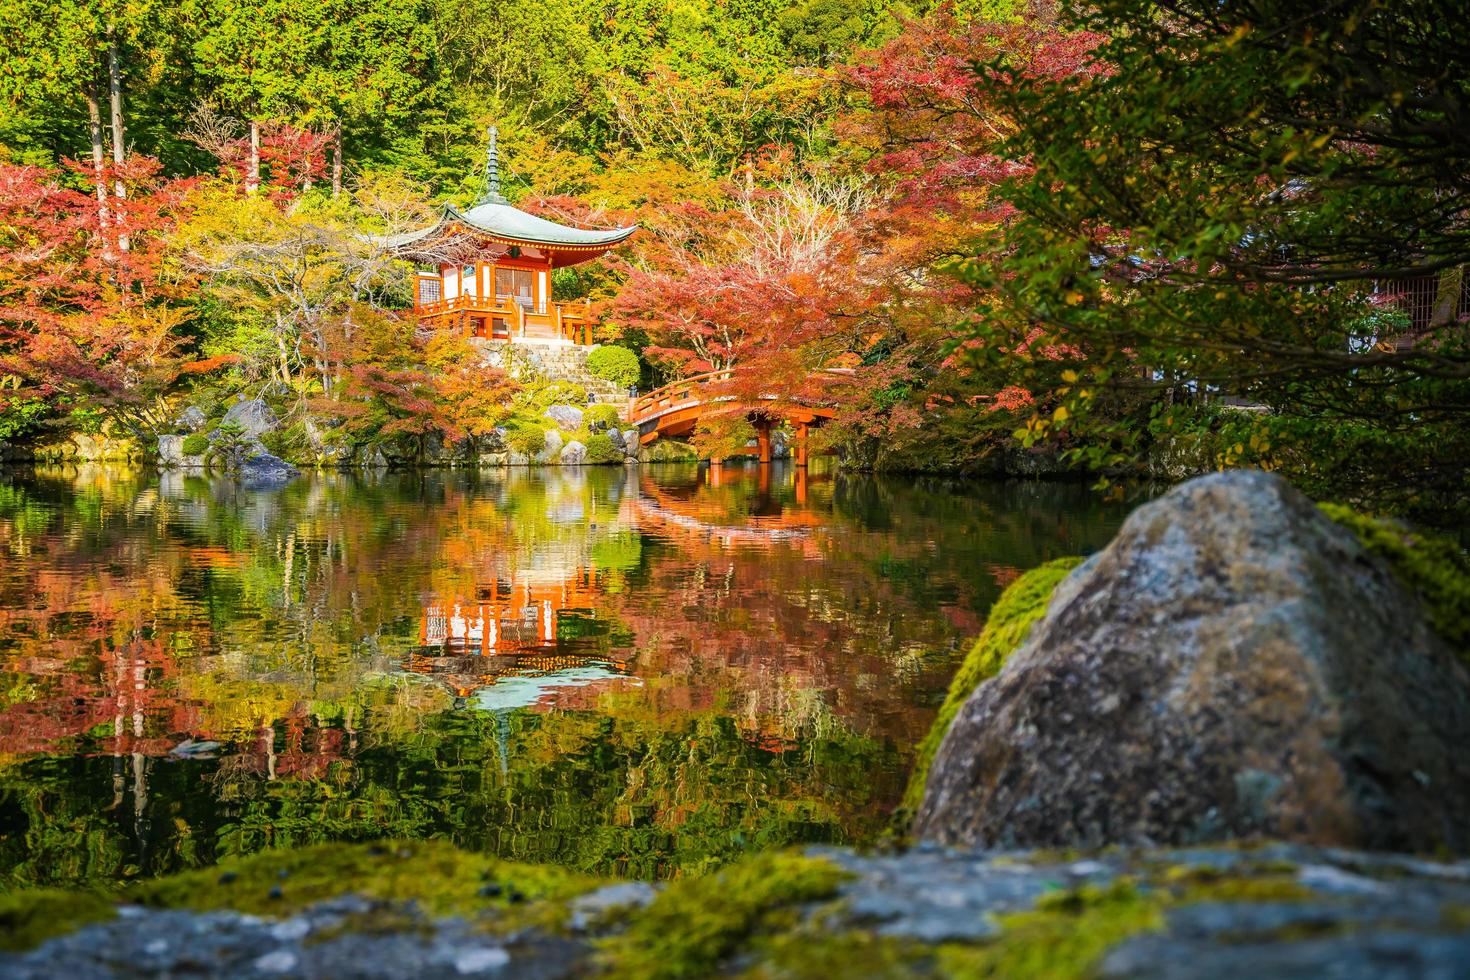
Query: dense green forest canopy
x=1100 y=228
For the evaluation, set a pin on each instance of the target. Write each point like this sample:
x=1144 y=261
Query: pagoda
x=486 y=271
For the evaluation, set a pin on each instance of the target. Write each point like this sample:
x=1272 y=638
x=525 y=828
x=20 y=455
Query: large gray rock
x=170 y=450
x=253 y=417
x=552 y=451
x=1233 y=664
x=630 y=442
x=573 y=454
x=191 y=419
x=266 y=472
x=568 y=418
x=615 y=436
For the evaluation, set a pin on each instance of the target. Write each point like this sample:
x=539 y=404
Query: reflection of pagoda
x=516 y=629
x=513 y=618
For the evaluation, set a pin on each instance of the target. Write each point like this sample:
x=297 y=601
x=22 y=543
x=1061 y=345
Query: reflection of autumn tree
x=779 y=679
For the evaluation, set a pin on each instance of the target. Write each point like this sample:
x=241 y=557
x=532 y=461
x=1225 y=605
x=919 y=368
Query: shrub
x=599 y=417
x=196 y=444
x=600 y=449
x=558 y=393
x=527 y=440
x=616 y=364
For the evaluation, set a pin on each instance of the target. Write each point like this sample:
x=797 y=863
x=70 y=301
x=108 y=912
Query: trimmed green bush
x=196 y=444
x=528 y=440
x=600 y=449
x=616 y=364
x=599 y=417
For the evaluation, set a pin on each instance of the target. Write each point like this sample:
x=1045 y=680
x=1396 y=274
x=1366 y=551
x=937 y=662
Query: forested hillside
x=988 y=209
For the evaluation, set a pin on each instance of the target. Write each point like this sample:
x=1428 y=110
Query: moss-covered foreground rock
x=428 y=910
x=1234 y=664
x=1434 y=569
x=1022 y=603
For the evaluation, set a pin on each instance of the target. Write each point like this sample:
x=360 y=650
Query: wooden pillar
x=801 y=428
x=763 y=441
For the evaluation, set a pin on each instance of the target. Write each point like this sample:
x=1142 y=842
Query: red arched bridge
x=675 y=409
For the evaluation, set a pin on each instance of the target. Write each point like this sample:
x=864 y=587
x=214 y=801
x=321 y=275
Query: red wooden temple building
x=486 y=270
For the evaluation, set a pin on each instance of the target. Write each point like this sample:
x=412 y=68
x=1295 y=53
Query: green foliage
x=616 y=364
x=28 y=918
x=290 y=443
x=526 y=439
x=1167 y=266
x=600 y=449
x=1433 y=568
x=599 y=417
x=695 y=923
x=195 y=444
x=555 y=393
x=669 y=451
x=228 y=446
x=1325 y=457
x=1023 y=603
x=19 y=415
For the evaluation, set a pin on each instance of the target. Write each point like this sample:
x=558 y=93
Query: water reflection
x=631 y=671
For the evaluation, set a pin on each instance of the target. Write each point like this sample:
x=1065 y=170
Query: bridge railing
x=674 y=395
x=689 y=391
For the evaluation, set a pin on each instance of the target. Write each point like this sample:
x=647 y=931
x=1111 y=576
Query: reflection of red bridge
x=666 y=513
x=675 y=409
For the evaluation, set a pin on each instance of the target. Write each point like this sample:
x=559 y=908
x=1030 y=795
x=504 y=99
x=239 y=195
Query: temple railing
x=482 y=317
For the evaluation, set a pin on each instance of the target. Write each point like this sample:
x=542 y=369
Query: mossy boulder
x=1436 y=570
x=1022 y=603
x=1234 y=664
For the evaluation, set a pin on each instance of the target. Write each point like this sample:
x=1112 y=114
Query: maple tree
x=86 y=328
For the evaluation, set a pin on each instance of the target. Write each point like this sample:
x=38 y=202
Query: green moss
x=1066 y=935
x=28 y=918
x=196 y=444
x=697 y=922
x=1023 y=603
x=813 y=953
x=1433 y=568
x=442 y=879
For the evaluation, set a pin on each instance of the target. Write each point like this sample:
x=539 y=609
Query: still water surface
x=638 y=672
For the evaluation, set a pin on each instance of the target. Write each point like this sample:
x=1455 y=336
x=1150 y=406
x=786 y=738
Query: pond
x=640 y=672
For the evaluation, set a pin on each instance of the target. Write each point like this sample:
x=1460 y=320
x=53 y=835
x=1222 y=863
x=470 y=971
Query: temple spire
x=492 y=169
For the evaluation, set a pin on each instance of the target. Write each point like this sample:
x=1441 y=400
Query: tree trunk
x=337 y=162
x=252 y=179
x=99 y=180
x=119 y=134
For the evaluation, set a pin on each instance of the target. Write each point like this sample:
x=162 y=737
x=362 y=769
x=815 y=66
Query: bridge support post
x=763 y=441
x=800 y=454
